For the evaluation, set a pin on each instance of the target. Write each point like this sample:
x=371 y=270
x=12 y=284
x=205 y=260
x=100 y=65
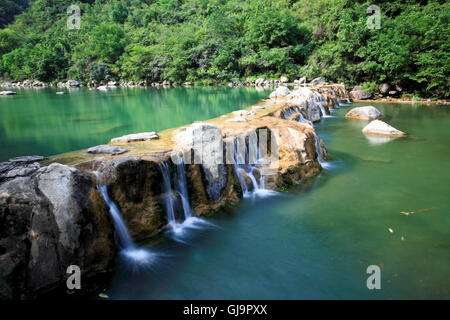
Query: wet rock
x=106 y=149
x=7 y=93
x=364 y=113
x=143 y=136
x=103 y=88
x=378 y=127
x=19 y=167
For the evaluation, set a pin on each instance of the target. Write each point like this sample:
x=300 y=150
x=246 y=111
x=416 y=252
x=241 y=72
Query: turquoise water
x=44 y=123
x=317 y=241
x=313 y=242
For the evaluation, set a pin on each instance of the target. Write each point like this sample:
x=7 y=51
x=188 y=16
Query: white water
x=319 y=152
x=178 y=229
x=133 y=254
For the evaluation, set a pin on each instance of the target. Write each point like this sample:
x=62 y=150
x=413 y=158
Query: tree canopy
x=218 y=41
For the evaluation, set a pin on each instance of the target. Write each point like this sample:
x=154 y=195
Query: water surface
x=317 y=241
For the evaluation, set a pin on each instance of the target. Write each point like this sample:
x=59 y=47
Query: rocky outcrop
x=280 y=92
x=378 y=127
x=53 y=216
x=50 y=219
x=364 y=113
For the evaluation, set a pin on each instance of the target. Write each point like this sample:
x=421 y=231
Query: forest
x=217 y=41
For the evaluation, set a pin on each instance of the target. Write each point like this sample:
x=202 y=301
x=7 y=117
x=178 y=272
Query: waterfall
x=181 y=187
x=246 y=162
x=123 y=238
x=169 y=196
x=319 y=152
x=342 y=90
x=172 y=202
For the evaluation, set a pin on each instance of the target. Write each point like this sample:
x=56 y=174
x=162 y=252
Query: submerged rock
x=378 y=127
x=106 y=149
x=364 y=113
x=143 y=136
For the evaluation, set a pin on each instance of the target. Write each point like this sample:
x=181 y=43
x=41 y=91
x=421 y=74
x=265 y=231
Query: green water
x=44 y=123
x=317 y=241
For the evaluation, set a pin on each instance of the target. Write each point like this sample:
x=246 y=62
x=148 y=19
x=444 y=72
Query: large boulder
x=72 y=84
x=281 y=91
x=384 y=88
x=359 y=94
x=378 y=127
x=51 y=219
x=364 y=113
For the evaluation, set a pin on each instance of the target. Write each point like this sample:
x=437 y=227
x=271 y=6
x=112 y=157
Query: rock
x=72 y=84
x=7 y=93
x=106 y=149
x=27 y=159
x=187 y=84
x=143 y=136
x=360 y=94
x=59 y=93
x=259 y=82
x=237 y=119
x=244 y=113
x=112 y=83
x=384 y=88
x=284 y=79
x=53 y=219
x=318 y=81
x=258 y=107
x=394 y=93
x=364 y=113
x=280 y=92
x=103 y=88
x=378 y=127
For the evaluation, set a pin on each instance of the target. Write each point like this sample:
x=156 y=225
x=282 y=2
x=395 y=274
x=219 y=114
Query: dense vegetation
x=218 y=41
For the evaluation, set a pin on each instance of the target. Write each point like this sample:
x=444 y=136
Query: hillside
x=210 y=41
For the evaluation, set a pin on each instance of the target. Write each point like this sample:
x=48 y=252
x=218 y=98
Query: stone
x=318 y=81
x=258 y=107
x=103 y=88
x=378 y=127
x=143 y=136
x=106 y=149
x=281 y=91
x=244 y=113
x=72 y=84
x=384 y=88
x=364 y=113
x=360 y=94
x=7 y=93
x=27 y=159
x=54 y=220
x=237 y=119
x=259 y=82
x=284 y=79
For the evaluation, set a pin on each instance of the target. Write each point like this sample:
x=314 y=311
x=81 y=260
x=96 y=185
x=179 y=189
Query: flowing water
x=378 y=202
x=318 y=240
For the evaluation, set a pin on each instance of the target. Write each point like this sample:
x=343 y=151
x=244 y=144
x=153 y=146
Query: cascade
x=319 y=151
x=123 y=238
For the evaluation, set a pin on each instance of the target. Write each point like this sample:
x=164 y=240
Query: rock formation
x=364 y=113
x=378 y=127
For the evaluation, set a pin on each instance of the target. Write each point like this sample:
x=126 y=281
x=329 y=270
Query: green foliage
x=99 y=72
x=10 y=8
x=211 y=41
